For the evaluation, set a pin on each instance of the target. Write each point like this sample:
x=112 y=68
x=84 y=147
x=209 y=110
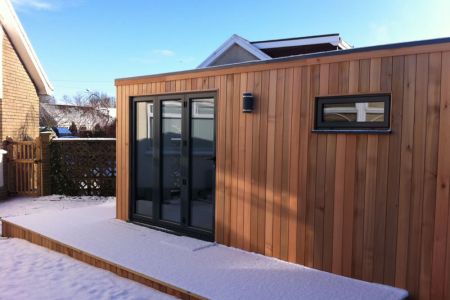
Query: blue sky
x=86 y=44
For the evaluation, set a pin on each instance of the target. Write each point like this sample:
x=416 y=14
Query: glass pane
x=202 y=162
x=354 y=112
x=374 y=117
x=144 y=159
x=171 y=160
x=339 y=112
x=374 y=112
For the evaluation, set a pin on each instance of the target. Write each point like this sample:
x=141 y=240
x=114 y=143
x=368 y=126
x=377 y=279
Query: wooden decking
x=15 y=231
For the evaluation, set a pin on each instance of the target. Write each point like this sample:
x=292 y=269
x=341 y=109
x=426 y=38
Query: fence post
x=4 y=170
x=44 y=176
x=9 y=170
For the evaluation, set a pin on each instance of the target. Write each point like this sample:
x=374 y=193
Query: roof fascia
x=16 y=33
x=334 y=40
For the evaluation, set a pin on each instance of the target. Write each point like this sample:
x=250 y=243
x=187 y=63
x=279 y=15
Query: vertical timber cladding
x=368 y=206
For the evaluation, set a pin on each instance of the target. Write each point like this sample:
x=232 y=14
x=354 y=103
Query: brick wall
x=19 y=108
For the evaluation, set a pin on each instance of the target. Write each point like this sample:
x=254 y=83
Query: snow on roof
x=111 y=111
x=62 y=115
x=16 y=33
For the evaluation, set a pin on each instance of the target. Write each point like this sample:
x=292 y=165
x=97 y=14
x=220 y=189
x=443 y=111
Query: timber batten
x=368 y=206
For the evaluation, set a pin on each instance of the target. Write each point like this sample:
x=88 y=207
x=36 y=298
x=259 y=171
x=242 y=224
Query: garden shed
x=336 y=160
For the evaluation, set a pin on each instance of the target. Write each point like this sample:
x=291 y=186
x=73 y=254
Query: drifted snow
x=31 y=272
x=213 y=271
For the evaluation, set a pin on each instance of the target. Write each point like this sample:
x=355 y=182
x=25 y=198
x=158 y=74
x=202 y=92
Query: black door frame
x=186 y=165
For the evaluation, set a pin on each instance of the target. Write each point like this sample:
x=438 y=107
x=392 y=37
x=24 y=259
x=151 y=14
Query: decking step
x=15 y=231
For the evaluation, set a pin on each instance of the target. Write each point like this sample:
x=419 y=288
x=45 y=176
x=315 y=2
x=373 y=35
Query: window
x=353 y=113
x=203 y=109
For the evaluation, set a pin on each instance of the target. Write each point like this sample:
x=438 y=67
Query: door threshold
x=204 y=236
x=158 y=228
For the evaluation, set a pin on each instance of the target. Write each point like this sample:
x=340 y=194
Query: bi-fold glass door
x=173 y=163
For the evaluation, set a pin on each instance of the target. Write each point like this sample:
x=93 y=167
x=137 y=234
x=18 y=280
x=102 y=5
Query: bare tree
x=100 y=100
x=94 y=99
x=78 y=99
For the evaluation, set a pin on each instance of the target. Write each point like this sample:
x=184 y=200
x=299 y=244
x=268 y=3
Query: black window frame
x=353 y=127
x=155 y=221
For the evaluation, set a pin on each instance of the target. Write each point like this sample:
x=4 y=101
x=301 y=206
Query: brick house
x=22 y=79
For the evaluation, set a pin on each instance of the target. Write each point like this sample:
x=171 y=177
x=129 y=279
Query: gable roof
x=270 y=49
x=13 y=28
x=234 y=40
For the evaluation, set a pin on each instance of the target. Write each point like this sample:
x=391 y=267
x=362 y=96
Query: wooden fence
x=85 y=167
x=24 y=167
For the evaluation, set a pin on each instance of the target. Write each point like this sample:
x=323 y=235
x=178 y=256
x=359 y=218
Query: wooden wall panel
x=392 y=198
x=440 y=269
x=406 y=166
x=255 y=156
x=349 y=183
x=312 y=172
x=240 y=175
x=293 y=190
x=431 y=160
x=368 y=206
x=262 y=176
x=235 y=166
x=221 y=155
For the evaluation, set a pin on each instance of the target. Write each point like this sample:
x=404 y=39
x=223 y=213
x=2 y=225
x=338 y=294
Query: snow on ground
x=211 y=270
x=19 y=206
x=28 y=271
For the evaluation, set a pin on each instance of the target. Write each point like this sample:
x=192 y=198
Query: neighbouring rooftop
x=237 y=49
x=207 y=269
x=85 y=117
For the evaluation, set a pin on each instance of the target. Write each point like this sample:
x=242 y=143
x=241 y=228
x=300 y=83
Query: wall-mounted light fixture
x=247 y=102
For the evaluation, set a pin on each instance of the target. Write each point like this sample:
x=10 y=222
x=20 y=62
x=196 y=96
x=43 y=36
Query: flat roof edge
x=296 y=38
x=297 y=57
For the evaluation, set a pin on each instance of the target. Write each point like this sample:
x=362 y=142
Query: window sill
x=353 y=131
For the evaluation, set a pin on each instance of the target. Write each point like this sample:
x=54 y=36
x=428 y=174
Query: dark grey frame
x=156 y=222
x=356 y=127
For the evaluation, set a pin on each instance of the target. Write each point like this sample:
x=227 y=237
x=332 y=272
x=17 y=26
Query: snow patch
x=213 y=271
x=19 y=206
x=28 y=271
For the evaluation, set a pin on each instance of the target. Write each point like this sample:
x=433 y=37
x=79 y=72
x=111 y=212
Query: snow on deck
x=32 y=272
x=211 y=270
x=25 y=205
